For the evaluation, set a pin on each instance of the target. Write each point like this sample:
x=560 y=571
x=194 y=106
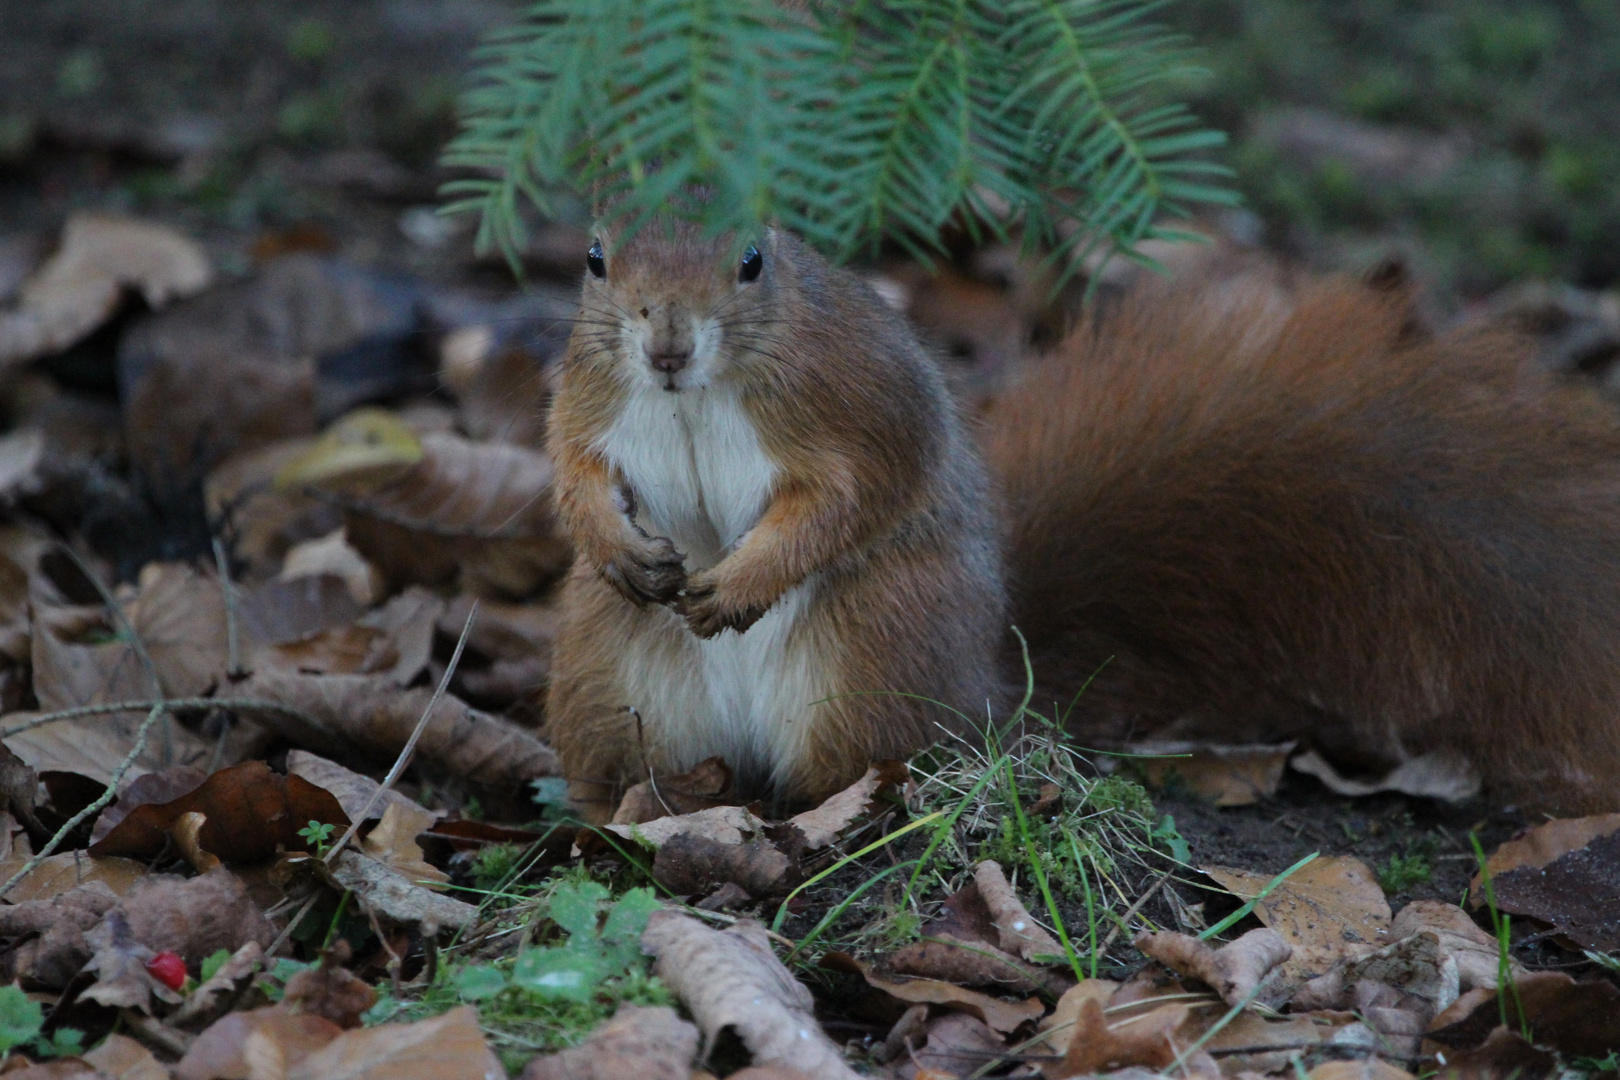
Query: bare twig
x=83 y=815
x=244 y=704
x=409 y=748
x=135 y=643
x=227 y=587
x=1141 y=901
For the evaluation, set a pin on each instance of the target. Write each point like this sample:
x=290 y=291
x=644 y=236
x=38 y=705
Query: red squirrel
x=1242 y=514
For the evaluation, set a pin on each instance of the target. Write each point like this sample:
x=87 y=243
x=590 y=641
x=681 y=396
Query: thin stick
x=83 y=815
x=135 y=643
x=1124 y=920
x=409 y=748
x=227 y=587
x=245 y=704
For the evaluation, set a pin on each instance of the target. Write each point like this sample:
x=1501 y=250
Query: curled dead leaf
x=646 y=1043
x=1234 y=970
x=1541 y=845
x=1095 y=1046
x=1578 y=1019
x=827 y=822
x=731 y=978
x=1439 y=774
x=1002 y=1015
x=1223 y=775
x=220 y=1051
x=393 y=896
x=119 y=961
x=1574 y=894
x=1019 y=931
x=705 y=786
x=446 y=1047
x=330 y=990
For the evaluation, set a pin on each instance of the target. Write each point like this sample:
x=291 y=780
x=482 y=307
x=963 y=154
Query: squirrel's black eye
x=752 y=263
x=595 y=260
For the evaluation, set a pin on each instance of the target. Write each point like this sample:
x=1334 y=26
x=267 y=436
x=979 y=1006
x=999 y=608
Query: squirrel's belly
x=748 y=697
x=697 y=468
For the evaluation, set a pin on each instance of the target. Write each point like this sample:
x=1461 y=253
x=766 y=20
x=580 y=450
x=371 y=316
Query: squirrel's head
x=674 y=309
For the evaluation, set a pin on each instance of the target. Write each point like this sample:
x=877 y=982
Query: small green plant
x=318 y=836
x=22 y=1022
x=1502 y=924
x=1405 y=872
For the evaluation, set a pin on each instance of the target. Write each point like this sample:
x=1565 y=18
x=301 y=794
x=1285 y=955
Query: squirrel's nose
x=669 y=361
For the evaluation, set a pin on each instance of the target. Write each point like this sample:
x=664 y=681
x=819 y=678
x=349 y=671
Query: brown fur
x=1256 y=516
x=879 y=504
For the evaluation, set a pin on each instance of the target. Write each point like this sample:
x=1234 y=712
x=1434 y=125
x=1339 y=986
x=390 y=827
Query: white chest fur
x=696 y=465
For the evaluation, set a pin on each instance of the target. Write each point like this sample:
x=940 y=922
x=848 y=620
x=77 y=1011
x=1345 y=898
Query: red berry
x=168 y=969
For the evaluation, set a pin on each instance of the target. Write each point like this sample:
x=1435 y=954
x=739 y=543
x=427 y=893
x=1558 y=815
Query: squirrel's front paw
x=708 y=612
x=650 y=572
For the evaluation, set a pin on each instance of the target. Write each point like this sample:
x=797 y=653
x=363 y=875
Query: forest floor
x=288 y=149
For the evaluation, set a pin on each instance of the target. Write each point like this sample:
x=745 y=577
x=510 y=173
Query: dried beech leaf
x=219 y=1052
x=1475 y=952
x=395 y=897
x=1330 y=908
x=707 y=785
x=333 y=556
x=1578 y=1019
x=1018 y=930
x=393 y=843
x=972 y=962
x=262 y=524
x=371 y=712
x=1439 y=774
x=691 y=864
x=1095 y=1046
x=1004 y=1016
x=1234 y=970
x=79 y=287
x=352 y=790
x=331 y=990
x=179 y=614
x=187 y=835
x=957 y=1044
x=1066 y=1013
x=1366 y=1068
x=56 y=874
x=119 y=961
x=721 y=824
x=281 y=611
x=828 y=821
x=251 y=812
x=122 y=1058
x=406 y=624
x=438 y=509
x=447 y=1047
x=731 y=978
x=1574 y=894
x=161 y=786
x=1243 y=1043
x=1504 y=1053
x=1223 y=775
x=211 y=997
x=645 y=1043
x=1541 y=845
x=60 y=952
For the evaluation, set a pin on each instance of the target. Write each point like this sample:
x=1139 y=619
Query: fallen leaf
x=690 y=864
x=721 y=824
x=119 y=961
x=1436 y=775
x=371 y=712
x=1004 y=1016
x=1234 y=970
x=1329 y=908
x=407 y=623
x=1222 y=775
x=955 y=1044
x=1365 y=1068
x=59 y=953
x=446 y=1047
x=437 y=509
x=1253 y=1043
x=1475 y=952
x=1578 y=1019
x=1095 y=1046
x=159 y=786
x=70 y=1068
x=56 y=874
x=259 y=523
x=342 y=650
x=179 y=613
x=1504 y=1053
x=705 y=786
x=210 y=998
x=333 y=556
x=972 y=963
x=1574 y=894
x=828 y=821
x=352 y=790
x=122 y=1058
x=645 y=1043
x=1065 y=1014
x=394 y=897
x=330 y=990
x=251 y=813
x=276 y=612
x=79 y=287
x=500 y=387
x=1018 y=930
x=1415 y=965
x=393 y=843
x=1540 y=845
x=220 y=1051
x=730 y=978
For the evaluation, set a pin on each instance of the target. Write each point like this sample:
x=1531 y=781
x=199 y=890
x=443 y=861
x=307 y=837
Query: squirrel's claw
x=707 y=614
x=652 y=573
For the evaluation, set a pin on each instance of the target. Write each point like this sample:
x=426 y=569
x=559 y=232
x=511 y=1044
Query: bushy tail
x=1259 y=513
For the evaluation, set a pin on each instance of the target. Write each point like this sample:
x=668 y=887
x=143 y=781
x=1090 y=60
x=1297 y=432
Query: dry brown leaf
x=352 y=790
x=1475 y=952
x=437 y=509
x=395 y=897
x=263 y=524
x=251 y=813
x=1253 y=1043
x=1223 y=775
x=277 y=612
x=447 y=1047
x=731 y=978
x=972 y=962
x=70 y=1068
x=690 y=864
x=1541 y=845
x=955 y=1044
x=343 y=650
x=371 y=712
x=644 y=1043
x=828 y=821
x=159 y=786
x=1439 y=774
x=56 y=874
x=1502 y=1055
x=1574 y=894
x=1330 y=908
x=500 y=388
x=1063 y=1017
x=1234 y=970
x=393 y=843
x=332 y=555
x=220 y=1051
x=407 y=624
x=721 y=824
x=80 y=286
x=1003 y=1016
x=187 y=835
x=59 y=953
x=705 y=786
x=122 y=1058
x=209 y=999
x=330 y=990
x=1366 y=1068
x=1096 y=1046
x=1416 y=965
x=1019 y=932
x=119 y=961
x=1578 y=1019
x=179 y=614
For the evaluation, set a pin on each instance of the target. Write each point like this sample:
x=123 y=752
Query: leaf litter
x=283 y=807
